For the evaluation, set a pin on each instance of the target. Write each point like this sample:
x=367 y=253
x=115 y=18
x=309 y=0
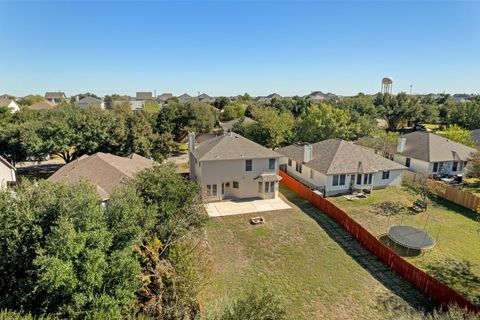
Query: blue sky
x=226 y=48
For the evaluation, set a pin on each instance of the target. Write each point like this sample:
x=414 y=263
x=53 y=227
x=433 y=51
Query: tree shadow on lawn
x=367 y=260
x=458 y=274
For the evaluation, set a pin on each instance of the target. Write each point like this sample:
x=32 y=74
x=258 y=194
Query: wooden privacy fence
x=461 y=197
x=439 y=293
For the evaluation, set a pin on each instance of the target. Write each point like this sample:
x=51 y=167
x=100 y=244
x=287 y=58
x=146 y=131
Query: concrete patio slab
x=233 y=207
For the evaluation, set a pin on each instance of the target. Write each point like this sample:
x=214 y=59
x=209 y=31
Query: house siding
x=227 y=171
x=6 y=175
x=424 y=167
x=321 y=180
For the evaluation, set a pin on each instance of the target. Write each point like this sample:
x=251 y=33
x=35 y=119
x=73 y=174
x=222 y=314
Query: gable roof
x=42 y=105
x=5 y=101
x=103 y=170
x=89 y=101
x=476 y=136
x=5 y=162
x=336 y=156
x=231 y=146
x=165 y=96
x=144 y=96
x=430 y=147
x=55 y=95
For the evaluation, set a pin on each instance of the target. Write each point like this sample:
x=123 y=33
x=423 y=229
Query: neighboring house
x=103 y=170
x=336 y=166
x=42 y=105
x=318 y=96
x=161 y=99
x=137 y=105
x=90 y=102
x=267 y=99
x=10 y=104
x=476 y=136
x=231 y=166
x=185 y=98
x=205 y=98
x=7 y=96
x=426 y=152
x=55 y=97
x=7 y=174
x=144 y=96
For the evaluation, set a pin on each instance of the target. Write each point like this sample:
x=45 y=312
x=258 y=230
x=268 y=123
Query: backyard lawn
x=456 y=258
x=310 y=263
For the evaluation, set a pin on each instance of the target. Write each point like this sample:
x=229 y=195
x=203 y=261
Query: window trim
x=289 y=162
x=359 y=179
x=408 y=162
x=270 y=167
x=249 y=165
x=386 y=175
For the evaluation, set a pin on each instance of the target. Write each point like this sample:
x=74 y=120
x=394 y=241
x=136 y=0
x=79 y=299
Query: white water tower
x=387 y=85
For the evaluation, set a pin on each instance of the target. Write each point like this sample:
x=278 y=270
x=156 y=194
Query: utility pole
x=410 y=89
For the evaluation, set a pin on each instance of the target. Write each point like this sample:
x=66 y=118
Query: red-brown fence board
x=441 y=294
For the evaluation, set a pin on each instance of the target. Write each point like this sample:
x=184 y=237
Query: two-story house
x=231 y=166
x=336 y=166
x=55 y=97
x=427 y=153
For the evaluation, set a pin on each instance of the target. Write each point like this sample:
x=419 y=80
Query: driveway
x=233 y=207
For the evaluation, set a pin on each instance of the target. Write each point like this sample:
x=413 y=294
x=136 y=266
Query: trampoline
x=410 y=237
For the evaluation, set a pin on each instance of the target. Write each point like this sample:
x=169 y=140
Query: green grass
x=456 y=257
x=314 y=267
x=432 y=126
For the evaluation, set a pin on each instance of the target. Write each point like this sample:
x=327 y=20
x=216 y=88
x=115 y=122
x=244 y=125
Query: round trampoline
x=410 y=237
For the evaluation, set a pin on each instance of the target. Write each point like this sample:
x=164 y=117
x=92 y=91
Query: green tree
x=29 y=100
x=383 y=142
x=233 y=111
x=272 y=128
x=394 y=109
x=58 y=255
x=456 y=133
x=466 y=114
x=151 y=107
x=221 y=102
x=179 y=119
x=324 y=122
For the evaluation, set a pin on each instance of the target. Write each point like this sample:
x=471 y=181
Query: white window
x=211 y=190
x=386 y=175
x=236 y=185
x=367 y=178
x=260 y=184
x=339 y=180
x=289 y=162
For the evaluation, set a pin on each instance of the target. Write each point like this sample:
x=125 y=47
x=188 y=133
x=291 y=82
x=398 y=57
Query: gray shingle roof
x=335 y=156
x=55 y=95
x=430 y=147
x=231 y=146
